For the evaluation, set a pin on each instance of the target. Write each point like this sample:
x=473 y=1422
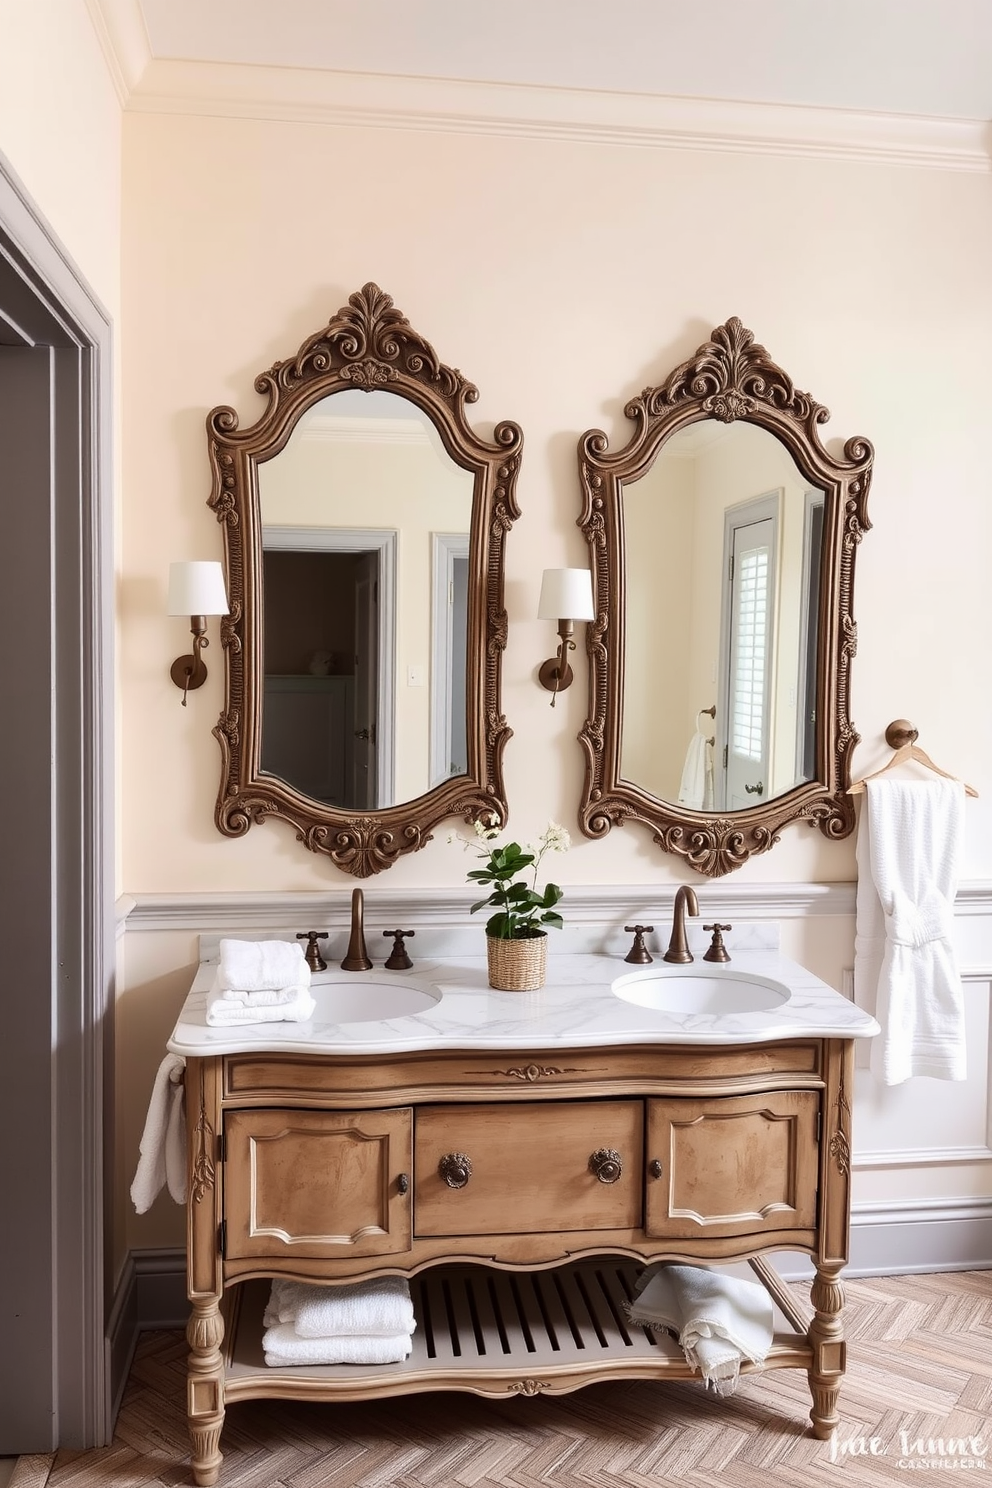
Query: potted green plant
x=516 y=935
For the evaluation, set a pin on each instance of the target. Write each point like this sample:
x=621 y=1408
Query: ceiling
x=930 y=58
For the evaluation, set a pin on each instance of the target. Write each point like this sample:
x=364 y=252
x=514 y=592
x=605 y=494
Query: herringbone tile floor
x=919 y=1383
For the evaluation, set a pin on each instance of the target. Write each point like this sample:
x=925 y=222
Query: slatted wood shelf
x=491 y=1332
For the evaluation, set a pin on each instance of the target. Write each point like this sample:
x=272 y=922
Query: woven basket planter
x=517 y=965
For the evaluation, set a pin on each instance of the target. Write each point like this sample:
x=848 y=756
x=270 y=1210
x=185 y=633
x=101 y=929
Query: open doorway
x=329 y=663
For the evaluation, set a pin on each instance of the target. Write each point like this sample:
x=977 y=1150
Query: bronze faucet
x=357 y=958
x=678 y=950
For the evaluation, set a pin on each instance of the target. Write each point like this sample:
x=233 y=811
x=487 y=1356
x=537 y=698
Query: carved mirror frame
x=367 y=345
x=729 y=378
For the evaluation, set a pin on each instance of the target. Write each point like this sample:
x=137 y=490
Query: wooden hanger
x=902 y=736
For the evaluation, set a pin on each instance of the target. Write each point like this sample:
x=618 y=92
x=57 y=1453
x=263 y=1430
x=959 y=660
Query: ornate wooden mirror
x=723 y=539
x=364 y=523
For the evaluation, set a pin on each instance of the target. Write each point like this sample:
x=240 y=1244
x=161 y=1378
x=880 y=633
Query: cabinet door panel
x=530 y=1167
x=317 y=1183
x=732 y=1165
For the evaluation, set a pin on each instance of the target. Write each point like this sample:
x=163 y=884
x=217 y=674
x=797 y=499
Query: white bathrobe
x=905 y=971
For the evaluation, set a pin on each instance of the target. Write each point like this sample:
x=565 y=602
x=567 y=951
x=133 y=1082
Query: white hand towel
x=282 y=1345
x=696 y=787
x=905 y=971
x=262 y=965
x=719 y=1320
x=162 y=1159
x=381 y=1305
x=222 y=1013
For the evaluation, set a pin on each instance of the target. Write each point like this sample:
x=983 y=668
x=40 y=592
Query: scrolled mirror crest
x=722 y=537
x=368 y=347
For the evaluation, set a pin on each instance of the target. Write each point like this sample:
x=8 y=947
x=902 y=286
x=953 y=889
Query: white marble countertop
x=576 y=1008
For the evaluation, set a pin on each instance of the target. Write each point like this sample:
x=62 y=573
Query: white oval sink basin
x=685 y=989
x=368 y=996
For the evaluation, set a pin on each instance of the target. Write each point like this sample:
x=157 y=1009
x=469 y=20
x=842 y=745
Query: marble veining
x=577 y=1008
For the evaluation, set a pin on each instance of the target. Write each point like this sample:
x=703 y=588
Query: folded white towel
x=905 y=972
x=282 y=1345
x=264 y=997
x=222 y=1013
x=719 y=1320
x=379 y=1306
x=162 y=1159
x=262 y=965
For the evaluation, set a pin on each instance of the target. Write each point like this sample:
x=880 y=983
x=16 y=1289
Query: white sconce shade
x=566 y=594
x=197 y=588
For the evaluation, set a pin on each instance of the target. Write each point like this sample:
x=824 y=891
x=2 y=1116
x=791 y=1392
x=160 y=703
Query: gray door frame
x=57 y=904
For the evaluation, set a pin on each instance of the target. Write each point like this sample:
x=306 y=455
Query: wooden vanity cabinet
x=521 y=1196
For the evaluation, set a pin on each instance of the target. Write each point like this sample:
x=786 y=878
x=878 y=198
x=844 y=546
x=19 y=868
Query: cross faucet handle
x=638 y=954
x=717 y=951
x=314 y=959
x=398 y=958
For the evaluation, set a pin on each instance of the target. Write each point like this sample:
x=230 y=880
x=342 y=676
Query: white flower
x=556 y=838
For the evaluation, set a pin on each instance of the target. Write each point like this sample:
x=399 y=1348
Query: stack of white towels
x=368 y=1322
x=260 y=981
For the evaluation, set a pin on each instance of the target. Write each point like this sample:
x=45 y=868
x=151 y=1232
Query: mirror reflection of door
x=328 y=658
x=810 y=612
x=449 y=628
x=677 y=655
x=364 y=751
x=751 y=544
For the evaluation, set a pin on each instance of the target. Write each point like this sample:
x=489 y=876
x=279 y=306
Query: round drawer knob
x=455 y=1168
x=403 y=1183
x=655 y=1168
x=605 y=1163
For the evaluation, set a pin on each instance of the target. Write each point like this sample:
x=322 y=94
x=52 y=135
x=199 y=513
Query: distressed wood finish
x=369 y=344
x=327 y=1174
x=733 y=1166
x=730 y=377
x=531 y=1167
x=317 y=1183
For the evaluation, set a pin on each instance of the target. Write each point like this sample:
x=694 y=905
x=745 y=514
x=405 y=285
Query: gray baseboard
x=150 y=1293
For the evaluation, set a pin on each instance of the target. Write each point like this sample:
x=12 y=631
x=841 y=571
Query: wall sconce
x=197 y=590
x=566 y=595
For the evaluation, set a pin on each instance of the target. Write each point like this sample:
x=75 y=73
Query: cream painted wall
x=60 y=128
x=561 y=277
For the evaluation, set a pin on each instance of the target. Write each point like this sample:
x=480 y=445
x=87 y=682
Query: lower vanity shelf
x=491 y=1332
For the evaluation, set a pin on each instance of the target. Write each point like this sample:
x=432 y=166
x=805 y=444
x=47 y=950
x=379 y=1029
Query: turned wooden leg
x=205 y=1389
x=826 y=1336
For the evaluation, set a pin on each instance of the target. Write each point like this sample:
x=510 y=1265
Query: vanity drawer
x=317 y=1183
x=733 y=1165
x=531 y=1167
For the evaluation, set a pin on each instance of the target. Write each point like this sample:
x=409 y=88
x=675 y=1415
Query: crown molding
x=444 y=105
x=120 y=30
